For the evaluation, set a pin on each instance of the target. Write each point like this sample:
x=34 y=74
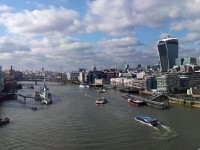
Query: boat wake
x=164 y=132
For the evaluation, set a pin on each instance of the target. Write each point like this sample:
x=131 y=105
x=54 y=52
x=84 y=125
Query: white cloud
x=5 y=8
x=46 y=35
x=40 y=22
x=121 y=17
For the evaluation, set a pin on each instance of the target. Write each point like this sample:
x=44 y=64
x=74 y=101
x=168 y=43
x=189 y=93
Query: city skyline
x=109 y=34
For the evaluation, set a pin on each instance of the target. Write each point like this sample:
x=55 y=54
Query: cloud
x=5 y=8
x=45 y=36
x=10 y=45
x=110 y=17
x=123 y=16
x=50 y=52
x=38 y=22
x=127 y=49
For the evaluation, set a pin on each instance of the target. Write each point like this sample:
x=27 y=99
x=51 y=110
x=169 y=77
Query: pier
x=150 y=101
x=23 y=97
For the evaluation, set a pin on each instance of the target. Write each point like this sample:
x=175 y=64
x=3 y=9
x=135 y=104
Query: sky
x=64 y=35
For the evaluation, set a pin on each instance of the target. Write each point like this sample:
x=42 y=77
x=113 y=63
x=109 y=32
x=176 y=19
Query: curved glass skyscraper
x=168 y=52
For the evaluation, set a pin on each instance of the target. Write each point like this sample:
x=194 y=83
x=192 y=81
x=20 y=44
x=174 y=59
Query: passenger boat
x=4 y=120
x=136 y=102
x=45 y=96
x=101 y=101
x=147 y=120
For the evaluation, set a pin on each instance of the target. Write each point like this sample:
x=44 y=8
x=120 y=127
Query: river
x=74 y=122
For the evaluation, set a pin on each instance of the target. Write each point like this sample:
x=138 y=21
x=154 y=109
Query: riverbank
x=184 y=102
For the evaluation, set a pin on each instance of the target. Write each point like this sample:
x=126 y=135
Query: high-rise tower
x=168 y=52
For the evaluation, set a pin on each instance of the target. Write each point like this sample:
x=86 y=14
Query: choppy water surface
x=74 y=122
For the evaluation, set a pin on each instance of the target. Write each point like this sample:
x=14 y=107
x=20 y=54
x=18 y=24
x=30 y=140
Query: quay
x=190 y=103
x=130 y=90
x=150 y=101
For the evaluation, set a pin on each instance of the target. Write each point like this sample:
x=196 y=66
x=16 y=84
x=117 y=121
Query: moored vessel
x=44 y=95
x=136 y=102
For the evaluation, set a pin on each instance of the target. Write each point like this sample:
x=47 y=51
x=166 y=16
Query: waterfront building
x=81 y=77
x=151 y=83
x=72 y=76
x=128 y=82
x=92 y=75
x=184 y=79
x=168 y=83
x=101 y=81
x=168 y=52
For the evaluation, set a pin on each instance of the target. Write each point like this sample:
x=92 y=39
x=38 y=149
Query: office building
x=186 y=61
x=168 y=52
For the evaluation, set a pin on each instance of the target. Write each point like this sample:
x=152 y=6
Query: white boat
x=101 y=101
x=83 y=85
x=45 y=96
x=101 y=91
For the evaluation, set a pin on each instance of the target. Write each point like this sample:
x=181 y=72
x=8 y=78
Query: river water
x=74 y=122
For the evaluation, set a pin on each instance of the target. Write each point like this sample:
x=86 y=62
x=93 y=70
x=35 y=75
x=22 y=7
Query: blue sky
x=80 y=33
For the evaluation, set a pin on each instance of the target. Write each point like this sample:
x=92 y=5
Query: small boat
x=4 y=120
x=101 y=101
x=101 y=91
x=136 y=102
x=147 y=120
x=34 y=108
x=84 y=85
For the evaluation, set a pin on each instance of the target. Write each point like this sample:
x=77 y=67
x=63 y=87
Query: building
x=168 y=52
x=168 y=83
x=93 y=75
x=72 y=76
x=186 y=61
x=151 y=83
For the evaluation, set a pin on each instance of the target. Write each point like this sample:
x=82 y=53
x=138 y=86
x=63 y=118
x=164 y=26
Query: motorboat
x=101 y=101
x=84 y=85
x=101 y=91
x=136 y=102
x=4 y=120
x=147 y=120
x=34 y=108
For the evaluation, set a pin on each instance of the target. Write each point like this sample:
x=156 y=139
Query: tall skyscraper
x=168 y=52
